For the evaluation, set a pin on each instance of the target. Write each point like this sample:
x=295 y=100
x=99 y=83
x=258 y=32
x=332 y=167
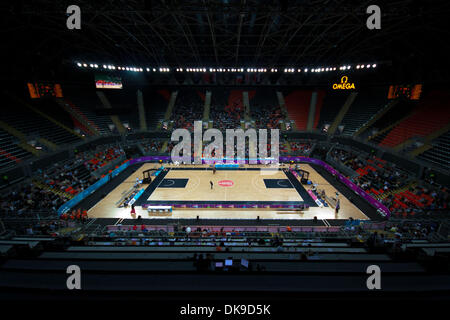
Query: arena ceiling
x=225 y=33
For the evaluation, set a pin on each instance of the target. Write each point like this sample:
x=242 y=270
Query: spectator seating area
x=100 y=157
x=439 y=154
x=295 y=147
x=332 y=103
x=267 y=117
x=431 y=114
x=50 y=188
x=297 y=104
x=200 y=248
x=10 y=151
x=402 y=194
x=152 y=146
x=85 y=101
x=367 y=103
x=34 y=126
x=188 y=108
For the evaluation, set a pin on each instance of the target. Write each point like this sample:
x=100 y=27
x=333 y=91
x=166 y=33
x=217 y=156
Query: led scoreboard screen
x=44 y=89
x=103 y=81
x=411 y=92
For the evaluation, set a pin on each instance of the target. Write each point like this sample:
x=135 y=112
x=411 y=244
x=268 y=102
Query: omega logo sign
x=344 y=85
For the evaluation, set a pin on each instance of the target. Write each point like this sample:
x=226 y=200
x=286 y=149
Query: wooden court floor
x=247 y=186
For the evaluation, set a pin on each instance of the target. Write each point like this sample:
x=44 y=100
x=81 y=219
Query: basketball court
x=236 y=190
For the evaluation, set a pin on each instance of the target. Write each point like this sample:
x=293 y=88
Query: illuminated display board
x=44 y=89
x=411 y=92
x=103 y=81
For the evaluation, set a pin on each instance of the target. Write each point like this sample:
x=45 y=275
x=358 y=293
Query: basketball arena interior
x=346 y=181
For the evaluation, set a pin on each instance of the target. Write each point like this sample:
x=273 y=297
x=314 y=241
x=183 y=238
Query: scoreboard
x=411 y=92
x=44 y=89
x=103 y=81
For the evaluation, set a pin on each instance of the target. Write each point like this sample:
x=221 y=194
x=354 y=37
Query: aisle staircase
x=384 y=195
x=170 y=106
x=53 y=190
x=141 y=109
x=114 y=118
x=337 y=121
x=207 y=106
x=298 y=104
x=49 y=118
x=75 y=112
x=21 y=137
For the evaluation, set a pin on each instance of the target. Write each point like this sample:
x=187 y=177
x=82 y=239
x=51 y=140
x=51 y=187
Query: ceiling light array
x=202 y=69
x=367 y=66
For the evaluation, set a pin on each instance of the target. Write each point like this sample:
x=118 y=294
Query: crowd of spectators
x=225 y=118
x=152 y=146
x=298 y=147
x=418 y=200
x=50 y=188
x=267 y=117
x=29 y=198
x=186 y=111
x=101 y=156
x=392 y=185
x=371 y=178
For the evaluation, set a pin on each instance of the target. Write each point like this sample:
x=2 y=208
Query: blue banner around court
x=90 y=190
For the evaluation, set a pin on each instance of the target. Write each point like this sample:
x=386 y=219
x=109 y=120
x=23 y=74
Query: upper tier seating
x=440 y=153
x=35 y=126
x=85 y=101
x=366 y=104
x=332 y=103
x=10 y=153
x=430 y=115
x=297 y=105
x=188 y=108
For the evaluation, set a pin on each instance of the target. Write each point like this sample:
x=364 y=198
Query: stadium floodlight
x=357 y=67
x=95 y=65
x=91 y=65
x=79 y=64
x=362 y=66
x=368 y=66
x=374 y=65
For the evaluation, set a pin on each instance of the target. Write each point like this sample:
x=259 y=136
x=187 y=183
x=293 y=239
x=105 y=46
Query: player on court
x=212 y=184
